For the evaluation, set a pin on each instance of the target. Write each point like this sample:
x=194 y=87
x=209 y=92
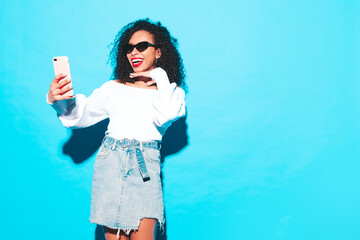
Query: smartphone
x=61 y=65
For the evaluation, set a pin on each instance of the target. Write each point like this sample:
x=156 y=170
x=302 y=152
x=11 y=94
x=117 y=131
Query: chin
x=143 y=69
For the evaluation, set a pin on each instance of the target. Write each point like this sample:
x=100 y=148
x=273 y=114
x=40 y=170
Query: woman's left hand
x=144 y=74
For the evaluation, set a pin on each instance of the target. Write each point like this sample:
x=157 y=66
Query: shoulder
x=107 y=85
x=104 y=89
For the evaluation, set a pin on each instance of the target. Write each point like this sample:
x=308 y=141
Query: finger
x=149 y=83
x=67 y=95
x=59 y=77
x=59 y=91
x=140 y=74
x=66 y=88
x=55 y=92
x=63 y=82
x=62 y=94
x=60 y=84
x=60 y=97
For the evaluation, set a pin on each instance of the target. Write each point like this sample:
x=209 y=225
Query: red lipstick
x=136 y=62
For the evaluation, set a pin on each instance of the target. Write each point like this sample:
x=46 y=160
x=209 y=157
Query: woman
x=142 y=102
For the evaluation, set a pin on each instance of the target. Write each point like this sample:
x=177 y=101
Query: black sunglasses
x=141 y=46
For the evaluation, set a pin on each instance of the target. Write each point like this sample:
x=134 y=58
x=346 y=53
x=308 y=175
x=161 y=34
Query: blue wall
x=273 y=117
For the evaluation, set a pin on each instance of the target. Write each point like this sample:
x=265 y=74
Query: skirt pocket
x=152 y=159
x=152 y=155
x=104 y=151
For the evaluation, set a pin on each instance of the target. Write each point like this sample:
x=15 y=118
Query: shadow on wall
x=84 y=142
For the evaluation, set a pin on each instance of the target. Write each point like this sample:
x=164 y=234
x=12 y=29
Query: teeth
x=136 y=60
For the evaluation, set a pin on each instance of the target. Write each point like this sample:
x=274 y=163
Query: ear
x=158 y=53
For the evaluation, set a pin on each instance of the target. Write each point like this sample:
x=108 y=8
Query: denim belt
x=126 y=143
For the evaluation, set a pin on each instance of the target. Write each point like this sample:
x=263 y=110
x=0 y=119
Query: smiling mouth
x=136 y=62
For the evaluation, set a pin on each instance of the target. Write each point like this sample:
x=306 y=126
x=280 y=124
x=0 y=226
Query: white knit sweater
x=135 y=113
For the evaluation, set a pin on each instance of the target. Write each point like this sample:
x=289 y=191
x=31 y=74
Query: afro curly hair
x=170 y=59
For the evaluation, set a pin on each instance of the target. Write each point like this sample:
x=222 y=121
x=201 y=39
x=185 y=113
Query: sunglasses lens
x=129 y=48
x=142 y=46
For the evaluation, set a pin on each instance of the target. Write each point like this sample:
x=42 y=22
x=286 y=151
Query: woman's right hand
x=59 y=87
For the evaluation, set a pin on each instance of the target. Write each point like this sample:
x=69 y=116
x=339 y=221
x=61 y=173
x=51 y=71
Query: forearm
x=62 y=107
x=169 y=102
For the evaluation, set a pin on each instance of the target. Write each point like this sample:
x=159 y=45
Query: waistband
x=126 y=143
x=137 y=146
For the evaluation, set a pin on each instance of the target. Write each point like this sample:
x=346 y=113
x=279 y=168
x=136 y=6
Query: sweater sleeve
x=81 y=111
x=169 y=101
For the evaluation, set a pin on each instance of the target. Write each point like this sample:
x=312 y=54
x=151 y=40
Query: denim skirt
x=126 y=185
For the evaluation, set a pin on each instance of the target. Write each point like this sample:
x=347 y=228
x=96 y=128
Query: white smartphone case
x=61 y=65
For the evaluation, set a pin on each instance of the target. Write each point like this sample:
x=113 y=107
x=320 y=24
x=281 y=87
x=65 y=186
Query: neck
x=141 y=81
